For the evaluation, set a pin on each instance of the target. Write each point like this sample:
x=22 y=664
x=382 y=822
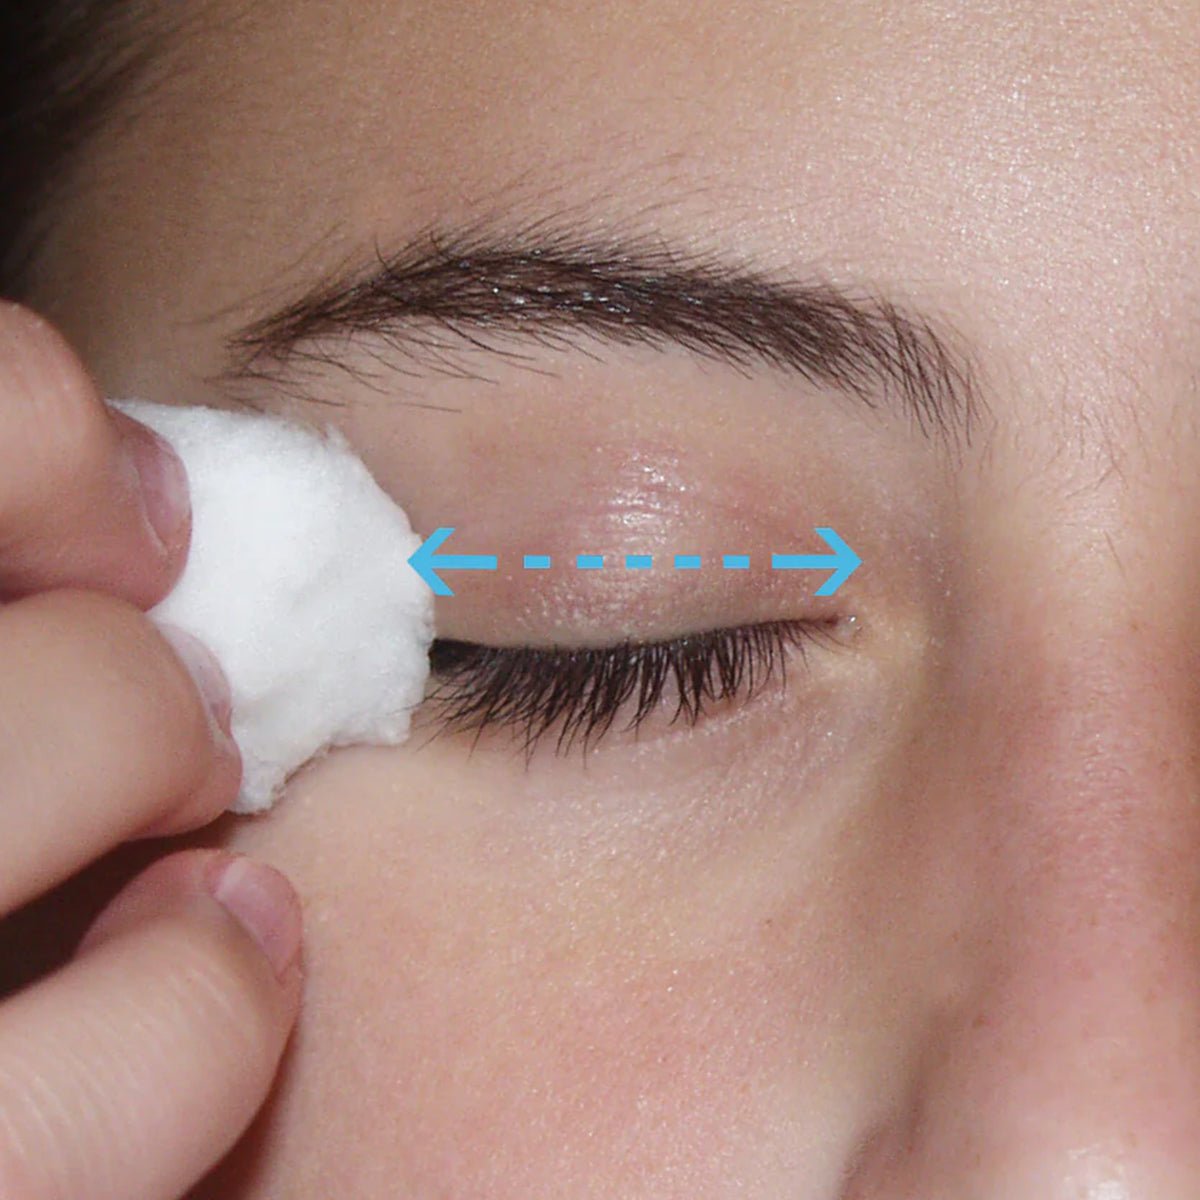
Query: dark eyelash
x=534 y=688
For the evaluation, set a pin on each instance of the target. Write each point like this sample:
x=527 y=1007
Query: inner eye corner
x=842 y=631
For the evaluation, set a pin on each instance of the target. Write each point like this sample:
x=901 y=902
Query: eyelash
x=532 y=689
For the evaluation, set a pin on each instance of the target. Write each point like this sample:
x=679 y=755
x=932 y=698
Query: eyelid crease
x=583 y=690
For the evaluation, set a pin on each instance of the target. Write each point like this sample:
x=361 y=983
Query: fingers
x=132 y=1070
x=88 y=496
x=104 y=735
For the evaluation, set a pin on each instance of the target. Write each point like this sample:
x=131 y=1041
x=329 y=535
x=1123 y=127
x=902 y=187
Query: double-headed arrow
x=843 y=562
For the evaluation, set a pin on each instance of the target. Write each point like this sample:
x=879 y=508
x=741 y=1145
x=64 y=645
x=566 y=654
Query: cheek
x=493 y=1003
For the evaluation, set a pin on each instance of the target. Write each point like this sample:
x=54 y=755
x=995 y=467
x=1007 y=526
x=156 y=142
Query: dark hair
x=65 y=66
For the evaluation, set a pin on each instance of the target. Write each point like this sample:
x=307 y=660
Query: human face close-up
x=915 y=915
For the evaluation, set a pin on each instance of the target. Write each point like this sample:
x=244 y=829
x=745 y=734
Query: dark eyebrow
x=443 y=292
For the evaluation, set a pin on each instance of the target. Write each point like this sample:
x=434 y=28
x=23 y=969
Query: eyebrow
x=447 y=291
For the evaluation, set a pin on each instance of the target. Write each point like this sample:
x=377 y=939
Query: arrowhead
x=423 y=562
x=846 y=561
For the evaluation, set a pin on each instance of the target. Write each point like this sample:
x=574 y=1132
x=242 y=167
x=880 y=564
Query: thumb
x=133 y=1069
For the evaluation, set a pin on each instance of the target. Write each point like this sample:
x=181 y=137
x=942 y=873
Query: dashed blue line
x=641 y=562
x=842 y=562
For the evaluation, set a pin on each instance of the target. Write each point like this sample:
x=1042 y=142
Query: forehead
x=991 y=155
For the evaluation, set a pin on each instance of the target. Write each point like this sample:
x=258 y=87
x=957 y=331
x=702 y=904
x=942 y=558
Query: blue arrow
x=843 y=562
x=426 y=563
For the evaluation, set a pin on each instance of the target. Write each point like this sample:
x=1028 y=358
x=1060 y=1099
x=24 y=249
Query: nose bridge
x=1097 y=781
x=1068 y=1063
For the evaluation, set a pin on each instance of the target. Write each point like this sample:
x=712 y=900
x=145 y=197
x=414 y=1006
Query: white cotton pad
x=298 y=581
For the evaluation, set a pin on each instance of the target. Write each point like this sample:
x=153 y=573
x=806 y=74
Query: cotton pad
x=298 y=581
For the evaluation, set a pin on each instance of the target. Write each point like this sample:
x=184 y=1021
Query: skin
x=925 y=924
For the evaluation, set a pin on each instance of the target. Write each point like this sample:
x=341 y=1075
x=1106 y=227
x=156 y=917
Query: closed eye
x=581 y=691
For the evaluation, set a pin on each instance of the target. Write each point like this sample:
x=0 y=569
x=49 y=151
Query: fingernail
x=165 y=494
x=205 y=670
x=263 y=902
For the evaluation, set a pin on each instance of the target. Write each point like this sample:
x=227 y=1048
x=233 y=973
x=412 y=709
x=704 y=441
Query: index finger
x=89 y=497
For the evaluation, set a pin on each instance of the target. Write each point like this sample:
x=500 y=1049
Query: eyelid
x=532 y=690
x=570 y=606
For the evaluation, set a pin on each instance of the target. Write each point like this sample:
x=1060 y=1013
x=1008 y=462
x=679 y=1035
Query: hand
x=128 y=1072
